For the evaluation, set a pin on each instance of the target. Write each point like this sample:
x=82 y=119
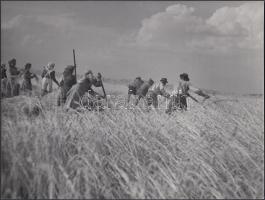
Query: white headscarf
x=50 y=66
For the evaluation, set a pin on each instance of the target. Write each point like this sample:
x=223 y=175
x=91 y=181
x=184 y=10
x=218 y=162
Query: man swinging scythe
x=179 y=96
x=76 y=95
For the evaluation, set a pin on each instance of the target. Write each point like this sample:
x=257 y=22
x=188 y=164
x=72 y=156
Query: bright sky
x=220 y=44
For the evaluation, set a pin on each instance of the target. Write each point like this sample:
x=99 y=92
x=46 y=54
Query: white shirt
x=158 y=88
x=178 y=90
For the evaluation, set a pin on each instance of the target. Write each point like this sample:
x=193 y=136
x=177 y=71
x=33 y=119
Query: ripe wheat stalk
x=216 y=151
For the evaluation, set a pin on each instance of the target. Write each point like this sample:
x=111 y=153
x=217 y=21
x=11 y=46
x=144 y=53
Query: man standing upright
x=181 y=92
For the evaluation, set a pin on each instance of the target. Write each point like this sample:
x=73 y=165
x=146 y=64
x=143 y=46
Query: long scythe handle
x=105 y=96
x=192 y=98
x=74 y=63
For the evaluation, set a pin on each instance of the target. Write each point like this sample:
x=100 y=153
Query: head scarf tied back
x=50 y=66
x=88 y=72
x=69 y=70
x=12 y=61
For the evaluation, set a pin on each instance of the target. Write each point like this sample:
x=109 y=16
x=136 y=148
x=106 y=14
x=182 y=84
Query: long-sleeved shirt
x=27 y=76
x=184 y=87
x=13 y=72
x=159 y=89
x=67 y=82
x=142 y=91
x=78 y=90
x=136 y=83
x=49 y=74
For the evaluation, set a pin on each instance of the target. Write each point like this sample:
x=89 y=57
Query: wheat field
x=214 y=150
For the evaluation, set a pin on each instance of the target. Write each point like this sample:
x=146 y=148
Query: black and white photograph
x=132 y=99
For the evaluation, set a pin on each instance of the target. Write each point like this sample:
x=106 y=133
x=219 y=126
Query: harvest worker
x=155 y=90
x=179 y=95
x=66 y=83
x=142 y=91
x=3 y=80
x=27 y=76
x=48 y=76
x=76 y=93
x=3 y=71
x=134 y=86
x=12 y=87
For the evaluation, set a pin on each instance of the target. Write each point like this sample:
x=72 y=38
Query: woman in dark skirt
x=27 y=76
x=66 y=84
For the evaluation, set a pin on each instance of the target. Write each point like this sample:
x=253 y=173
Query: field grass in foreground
x=211 y=151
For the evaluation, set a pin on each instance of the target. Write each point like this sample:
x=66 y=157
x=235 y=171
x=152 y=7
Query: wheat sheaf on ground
x=210 y=151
